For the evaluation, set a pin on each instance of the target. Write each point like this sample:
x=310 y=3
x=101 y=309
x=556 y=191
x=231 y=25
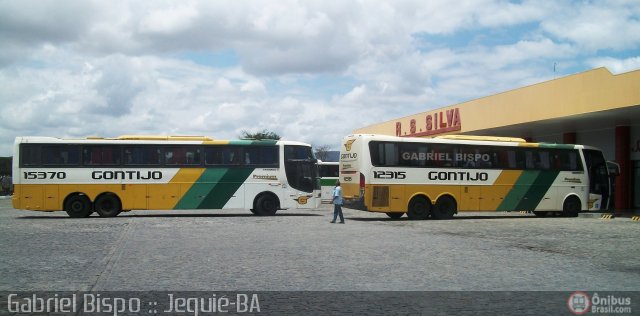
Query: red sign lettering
x=434 y=124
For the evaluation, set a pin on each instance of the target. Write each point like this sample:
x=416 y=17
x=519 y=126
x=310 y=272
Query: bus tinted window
x=29 y=155
x=223 y=155
x=298 y=153
x=61 y=155
x=440 y=156
x=538 y=159
x=430 y=155
x=412 y=154
x=183 y=155
x=101 y=155
x=265 y=156
x=142 y=155
x=568 y=160
x=384 y=154
x=328 y=171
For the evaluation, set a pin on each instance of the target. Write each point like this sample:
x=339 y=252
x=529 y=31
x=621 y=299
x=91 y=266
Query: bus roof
x=153 y=139
x=162 y=137
x=485 y=138
x=468 y=140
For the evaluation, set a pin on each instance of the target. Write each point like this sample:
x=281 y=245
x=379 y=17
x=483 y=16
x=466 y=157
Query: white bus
x=437 y=177
x=110 y=175
x=328 y=172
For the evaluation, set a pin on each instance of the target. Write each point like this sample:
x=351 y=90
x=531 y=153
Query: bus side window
x=232 y=156
x=269 y=156
x=544 y=160
x=101 y=155
x=182 y=156
x=412 y=154
x=30 y=155
x=143 y=155
x=529 y=160
x=567 y=160
x=213 y=156
x=192 y=156
x=383 y=154
x=61 y=155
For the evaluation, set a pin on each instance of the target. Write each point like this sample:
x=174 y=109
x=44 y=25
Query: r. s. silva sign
x=432 y=124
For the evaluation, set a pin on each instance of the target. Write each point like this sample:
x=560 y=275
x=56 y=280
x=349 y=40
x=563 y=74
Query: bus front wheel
x=445 y=208
x=265 y=205
x=571 y=207
x=419 y=208
x=78 y=206
x=108 y=205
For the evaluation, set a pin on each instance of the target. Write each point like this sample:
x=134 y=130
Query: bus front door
x=600 y=187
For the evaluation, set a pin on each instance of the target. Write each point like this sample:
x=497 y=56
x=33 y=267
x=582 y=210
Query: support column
x=569 y=138
x=623 y=152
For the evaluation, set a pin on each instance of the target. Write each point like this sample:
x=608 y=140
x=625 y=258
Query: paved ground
x=300 y=250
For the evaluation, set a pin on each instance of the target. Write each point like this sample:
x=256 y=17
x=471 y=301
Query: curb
x=597 y=215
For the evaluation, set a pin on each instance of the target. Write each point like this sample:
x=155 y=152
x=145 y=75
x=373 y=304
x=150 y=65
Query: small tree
x=264 y=134
x=322 y=152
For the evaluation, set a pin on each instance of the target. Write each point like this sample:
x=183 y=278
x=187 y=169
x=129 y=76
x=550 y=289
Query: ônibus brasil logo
x=579 y=303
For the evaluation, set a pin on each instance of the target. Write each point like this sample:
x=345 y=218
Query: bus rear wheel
x=394 y=215
x=571 y=207
x=445 y=208
x=108 y=205
x=78 y=206
x=419 y=208
x=266 y=205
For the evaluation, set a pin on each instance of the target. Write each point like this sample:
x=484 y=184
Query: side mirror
x=614 y=168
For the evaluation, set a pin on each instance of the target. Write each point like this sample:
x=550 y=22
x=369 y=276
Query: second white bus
x=438 y=177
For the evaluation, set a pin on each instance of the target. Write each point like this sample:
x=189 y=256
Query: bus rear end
x=352 y=175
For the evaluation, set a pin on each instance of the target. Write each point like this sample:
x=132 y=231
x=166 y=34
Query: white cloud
x=615 y=65
x=598 y=25
x=169 y=20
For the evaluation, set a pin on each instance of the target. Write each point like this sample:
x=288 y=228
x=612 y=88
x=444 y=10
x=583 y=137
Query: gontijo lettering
x=457 y=176
x=126 y=175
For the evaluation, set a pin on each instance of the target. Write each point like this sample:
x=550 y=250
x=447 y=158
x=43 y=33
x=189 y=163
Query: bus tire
x=78 y=206
x=394 y=215
x=571 y=207
x=266 y=204
x=445 y=208
x=419 y=208
x=108 y=205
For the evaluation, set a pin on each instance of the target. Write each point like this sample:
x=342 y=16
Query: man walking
x=337 y=203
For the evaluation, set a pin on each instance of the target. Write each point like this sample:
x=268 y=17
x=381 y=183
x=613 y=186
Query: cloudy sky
x=307 y=70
